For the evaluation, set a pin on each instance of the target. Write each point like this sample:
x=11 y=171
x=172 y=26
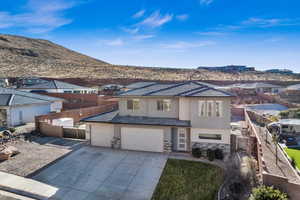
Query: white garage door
x=142 y=139
x=102 y=135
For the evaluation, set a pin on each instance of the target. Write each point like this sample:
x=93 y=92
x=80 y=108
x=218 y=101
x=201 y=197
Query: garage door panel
x=142 y=139
x=102 y=135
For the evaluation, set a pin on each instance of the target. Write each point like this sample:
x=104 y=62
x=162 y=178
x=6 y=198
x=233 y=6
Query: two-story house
x=165 y=117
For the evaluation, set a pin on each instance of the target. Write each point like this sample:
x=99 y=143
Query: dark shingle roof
x=4 y=99
x=54 y=84
x=21 y=98
x=139 y=84
x=184 y=89
x=115 y=118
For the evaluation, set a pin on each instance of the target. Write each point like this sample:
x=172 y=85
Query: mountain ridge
x=23 y=56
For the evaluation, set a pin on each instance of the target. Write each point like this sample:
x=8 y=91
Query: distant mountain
x=21 y=56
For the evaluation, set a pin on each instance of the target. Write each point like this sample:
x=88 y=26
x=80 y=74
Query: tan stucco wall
x=213 y=122
x=224 y=132
x=148 y=107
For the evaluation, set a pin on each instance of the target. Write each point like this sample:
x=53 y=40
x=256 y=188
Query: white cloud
x=131 y=30
x=263 y=22
x=39 y=17
x=115 y=42
x=254 y=22
x=143 y=37
x=211 y=33
x=156 y=19
x=139 y=14
x=206 y=2
x=182 y=17
x=187 y=45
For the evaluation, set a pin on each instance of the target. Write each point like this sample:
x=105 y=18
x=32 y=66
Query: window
x=210 y=136
x=164 y=105
x=202 y=108
x=209 y=108
x=218 y=108
x=133 y=104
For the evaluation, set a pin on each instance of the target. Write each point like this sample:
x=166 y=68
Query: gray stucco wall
x=148 y=107
x=211 y=122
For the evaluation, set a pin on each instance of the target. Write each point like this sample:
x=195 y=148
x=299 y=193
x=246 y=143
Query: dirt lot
x=36 y=153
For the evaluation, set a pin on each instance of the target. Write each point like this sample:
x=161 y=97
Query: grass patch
x=188 y=180
x=294 y=153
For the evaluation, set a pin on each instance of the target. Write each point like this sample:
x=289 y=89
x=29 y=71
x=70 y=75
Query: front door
x=181 y=144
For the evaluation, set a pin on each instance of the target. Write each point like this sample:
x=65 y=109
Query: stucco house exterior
x=55 y=86
x=258 y=87
x=17 y=107
x=165 y=117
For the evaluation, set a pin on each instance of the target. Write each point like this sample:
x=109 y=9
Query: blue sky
x=165 y=33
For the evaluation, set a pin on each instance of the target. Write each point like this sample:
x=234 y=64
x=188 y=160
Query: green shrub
x=284 y=114
x=210 y=154
x=12 y=130
x=297 y=115
x=267 y=193
x=219 y=154
x=196 y=152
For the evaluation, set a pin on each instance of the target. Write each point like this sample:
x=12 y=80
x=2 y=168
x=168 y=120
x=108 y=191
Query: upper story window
x=202 y=108
x=164 y=105
x=133 y=104
x=218 y=108
x=210 y=109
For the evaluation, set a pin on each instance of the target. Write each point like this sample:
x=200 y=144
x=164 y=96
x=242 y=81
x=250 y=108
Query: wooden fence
x=283 y=183
x=76 y=114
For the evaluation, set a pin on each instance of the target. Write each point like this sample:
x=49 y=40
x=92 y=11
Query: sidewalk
x=26 y=187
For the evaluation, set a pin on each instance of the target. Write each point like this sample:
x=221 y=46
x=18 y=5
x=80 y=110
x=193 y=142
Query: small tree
x=267 y=193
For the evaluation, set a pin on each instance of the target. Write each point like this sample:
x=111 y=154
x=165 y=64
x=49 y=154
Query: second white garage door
x=142 y=139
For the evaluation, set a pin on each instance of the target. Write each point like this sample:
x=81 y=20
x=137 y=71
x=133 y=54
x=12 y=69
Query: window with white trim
x=202 y=108
x=164 y=105
x=218 y=108
x=210 y=136
x=209 y=108
x=133 y=104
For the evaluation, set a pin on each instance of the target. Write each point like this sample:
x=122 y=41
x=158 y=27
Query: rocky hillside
x=20 y=56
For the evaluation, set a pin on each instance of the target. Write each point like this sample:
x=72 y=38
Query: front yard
x=188 y=180
x=36 y=153
x=294 y=154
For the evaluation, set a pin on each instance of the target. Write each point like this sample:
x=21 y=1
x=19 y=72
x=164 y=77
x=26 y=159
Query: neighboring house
x=55 y=86
x=17 y=107
x=4 y=82
x=267 y=109
x=165 y=117
x=258 y=87
x=28 y=81
x=295 y=87
x=291 y=93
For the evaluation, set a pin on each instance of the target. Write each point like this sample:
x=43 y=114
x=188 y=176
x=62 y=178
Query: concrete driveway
x=100 y=173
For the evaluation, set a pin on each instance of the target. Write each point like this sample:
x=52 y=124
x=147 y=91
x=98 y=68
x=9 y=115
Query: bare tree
x=275 y=141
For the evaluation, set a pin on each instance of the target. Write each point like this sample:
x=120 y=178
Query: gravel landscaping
x=36 y=153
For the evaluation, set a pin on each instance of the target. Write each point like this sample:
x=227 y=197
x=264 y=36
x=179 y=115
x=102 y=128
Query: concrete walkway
x=26 y=187
x=11 y=196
